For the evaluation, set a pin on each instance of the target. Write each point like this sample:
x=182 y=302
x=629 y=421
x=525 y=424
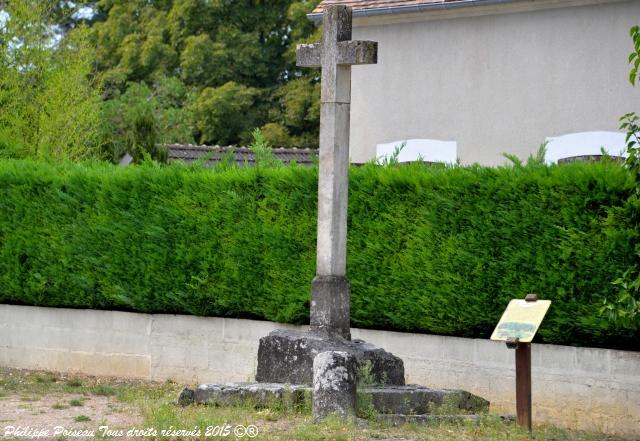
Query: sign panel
x=521 y=320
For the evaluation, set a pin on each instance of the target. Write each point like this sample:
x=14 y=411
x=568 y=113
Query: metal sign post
x=517 y=327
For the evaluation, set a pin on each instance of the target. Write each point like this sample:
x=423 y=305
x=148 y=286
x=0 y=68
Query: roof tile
x=242 y=155
x=381 y=4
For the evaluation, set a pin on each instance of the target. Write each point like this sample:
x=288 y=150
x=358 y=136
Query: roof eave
x=317 y=16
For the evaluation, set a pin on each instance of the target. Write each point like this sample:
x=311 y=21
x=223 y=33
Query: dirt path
x=24 y=415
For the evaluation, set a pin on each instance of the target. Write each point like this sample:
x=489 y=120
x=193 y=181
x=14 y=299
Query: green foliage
x=143 y=118
x=76 y=402
x=50 y=108
x=206 y=46
x=437 y=250
x=226 y=114
x=197 y=61
x=625 y=308
x=262 y=151
x=297 y=114
x=277 y=135
x=392 y=159
x=631 y=123
x=364 y=400
x=139 y=73
x=634 y=57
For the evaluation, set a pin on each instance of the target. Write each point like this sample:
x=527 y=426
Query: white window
x=427 y=150
x=585 y=144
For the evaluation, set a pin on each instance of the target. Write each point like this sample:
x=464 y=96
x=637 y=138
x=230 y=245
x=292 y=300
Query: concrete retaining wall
x=584 y=388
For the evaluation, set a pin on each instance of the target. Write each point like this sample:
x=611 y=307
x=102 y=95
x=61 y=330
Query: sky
x=84 y=12
x=3 y=18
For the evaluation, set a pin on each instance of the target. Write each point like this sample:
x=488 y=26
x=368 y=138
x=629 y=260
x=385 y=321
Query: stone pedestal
x=334 y=385
x=287 y=357
x=330 y=306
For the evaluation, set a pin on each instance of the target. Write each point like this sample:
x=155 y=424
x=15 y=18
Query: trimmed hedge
x=437 y=250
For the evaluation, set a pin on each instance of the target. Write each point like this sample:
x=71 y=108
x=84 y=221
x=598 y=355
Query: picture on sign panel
x=521 y=320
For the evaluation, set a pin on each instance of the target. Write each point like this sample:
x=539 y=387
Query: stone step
x=257 y=394
x=414 y=399
x=405 y=400
x=398 y=419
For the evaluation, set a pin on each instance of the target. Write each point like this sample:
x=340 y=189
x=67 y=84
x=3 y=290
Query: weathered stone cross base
x=287 y=357
x=396 y=401
x=297 y=368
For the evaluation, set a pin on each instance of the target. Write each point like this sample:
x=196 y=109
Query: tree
x=145 y=117
x=295 y=111
x=226 y=114
x=206 y=44
x=163 y=69
x=50 y=107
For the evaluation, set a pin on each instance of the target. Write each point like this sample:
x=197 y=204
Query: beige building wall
x=495 y=79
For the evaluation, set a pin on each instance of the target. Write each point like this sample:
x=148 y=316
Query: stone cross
x=330 y=305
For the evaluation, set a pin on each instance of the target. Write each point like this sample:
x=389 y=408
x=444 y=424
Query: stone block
x=287 y=357
x=255 y=394
x=414 y=400
x=405 y=400
x=330 y=305
x=334 y=385
x=399 y=419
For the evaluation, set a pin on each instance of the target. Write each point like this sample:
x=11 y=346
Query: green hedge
x=437 y=250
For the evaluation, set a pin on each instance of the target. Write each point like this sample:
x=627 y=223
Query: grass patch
x=74 y=382
x=103 y=390
x=116 y=408
x=81 y=419
x=59 y=406
x=76 y=403
x=45 y=378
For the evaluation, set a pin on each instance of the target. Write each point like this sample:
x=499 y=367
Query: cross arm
x=349 y=52
x=357 y=52
x=308 y=55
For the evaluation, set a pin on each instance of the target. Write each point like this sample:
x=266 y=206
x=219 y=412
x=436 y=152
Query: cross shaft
x=330 y=304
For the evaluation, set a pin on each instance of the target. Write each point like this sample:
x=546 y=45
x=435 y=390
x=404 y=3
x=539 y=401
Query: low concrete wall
x=584 y=388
